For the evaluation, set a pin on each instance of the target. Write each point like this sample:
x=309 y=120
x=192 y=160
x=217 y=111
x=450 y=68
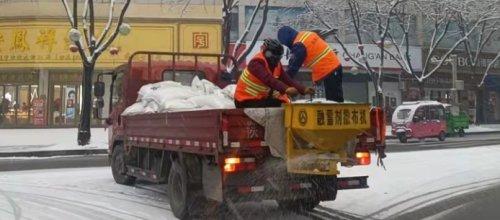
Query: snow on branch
x=490 y=65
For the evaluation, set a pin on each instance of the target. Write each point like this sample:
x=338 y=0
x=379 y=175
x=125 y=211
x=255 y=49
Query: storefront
x=472 y=99
x=492 y=99
x=40 y=79
x=17 y=96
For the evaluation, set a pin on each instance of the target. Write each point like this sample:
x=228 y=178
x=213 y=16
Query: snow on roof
x=422 y=103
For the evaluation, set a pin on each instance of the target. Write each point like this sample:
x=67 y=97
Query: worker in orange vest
x=264 y=83
x=308 y=49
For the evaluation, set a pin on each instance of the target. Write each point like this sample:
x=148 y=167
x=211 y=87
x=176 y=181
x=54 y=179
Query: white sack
x=136 y=108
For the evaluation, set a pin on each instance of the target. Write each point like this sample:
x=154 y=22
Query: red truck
x=210 y=155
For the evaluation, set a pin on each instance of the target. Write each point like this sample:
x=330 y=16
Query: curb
x=54 y=153
x=466 y=134
x=63 y=162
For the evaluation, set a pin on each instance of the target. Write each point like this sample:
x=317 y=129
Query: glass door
x=64 y=105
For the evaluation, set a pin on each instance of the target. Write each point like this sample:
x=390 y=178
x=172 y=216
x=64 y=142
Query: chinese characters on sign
x=20 y=45
x=1 y=41
x=200 y=40
x=47 y=39
x=39 y=112
x=19 y=41
x=341 y=117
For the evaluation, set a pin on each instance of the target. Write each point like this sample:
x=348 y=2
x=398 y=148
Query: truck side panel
x=193 y=131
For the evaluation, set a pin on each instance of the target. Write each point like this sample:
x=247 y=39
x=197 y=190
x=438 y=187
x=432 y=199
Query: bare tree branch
x=108 y=24
x=490 y=65
x=110 y=40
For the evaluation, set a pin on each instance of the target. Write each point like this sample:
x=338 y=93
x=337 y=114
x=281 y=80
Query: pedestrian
x=263 y=83
x=308 y=49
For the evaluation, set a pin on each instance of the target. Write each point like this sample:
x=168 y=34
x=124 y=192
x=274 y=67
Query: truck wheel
x=118 y=167
x=442 y=136
x=180 y=196
x=402 y=138
x=304 y=205
x=461 y=132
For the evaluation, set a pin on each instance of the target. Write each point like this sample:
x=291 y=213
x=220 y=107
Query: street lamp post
x=454 y=92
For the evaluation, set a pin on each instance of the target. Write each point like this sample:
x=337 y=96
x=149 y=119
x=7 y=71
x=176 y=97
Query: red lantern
x=114 y=51
x=73 y=48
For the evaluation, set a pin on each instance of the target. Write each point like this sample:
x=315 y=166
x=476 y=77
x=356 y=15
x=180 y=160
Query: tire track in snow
x=91 y=211
x=97 y=193
x=16 y=210
x=464 y=188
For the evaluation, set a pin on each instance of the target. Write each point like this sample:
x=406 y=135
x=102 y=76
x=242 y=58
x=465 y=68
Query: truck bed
x=200 y=132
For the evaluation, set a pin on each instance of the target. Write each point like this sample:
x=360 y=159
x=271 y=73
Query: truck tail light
x=363 y=158
x=236 y=164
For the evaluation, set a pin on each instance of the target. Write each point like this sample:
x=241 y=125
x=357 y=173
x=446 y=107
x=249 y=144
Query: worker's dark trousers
x=333 y=86
x=265 y=103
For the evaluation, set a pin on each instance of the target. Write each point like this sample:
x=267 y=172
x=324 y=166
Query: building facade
x=40 y=78
x=482 y=104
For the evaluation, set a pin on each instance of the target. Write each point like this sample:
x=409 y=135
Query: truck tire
x=461 y=132
x=442 y=136
x=180 y=195
x=118 y=167
x=402 y=138
x=300 y=205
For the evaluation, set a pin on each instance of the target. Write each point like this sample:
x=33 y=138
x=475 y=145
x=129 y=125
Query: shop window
x=64 y=105
x=9 y=105
x=16 y=105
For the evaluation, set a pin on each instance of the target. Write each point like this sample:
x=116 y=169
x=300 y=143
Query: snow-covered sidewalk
x=486 y=128
x=57 y=139
x=64 y=139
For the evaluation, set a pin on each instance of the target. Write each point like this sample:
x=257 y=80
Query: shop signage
x=46 y=44
x=372 y=53
x=39 y=118
x=464 y=66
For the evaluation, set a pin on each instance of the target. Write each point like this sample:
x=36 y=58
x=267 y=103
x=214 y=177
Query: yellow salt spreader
x=320 y=136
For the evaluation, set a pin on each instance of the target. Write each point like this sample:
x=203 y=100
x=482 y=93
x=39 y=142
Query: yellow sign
x=46 y=44
x=339 y=116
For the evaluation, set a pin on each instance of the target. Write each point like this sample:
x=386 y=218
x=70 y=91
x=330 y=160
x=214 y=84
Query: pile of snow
x=169 y=96
x=315 y=101
x=319 y=101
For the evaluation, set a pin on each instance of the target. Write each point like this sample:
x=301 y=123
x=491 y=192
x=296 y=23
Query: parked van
x=421 y=119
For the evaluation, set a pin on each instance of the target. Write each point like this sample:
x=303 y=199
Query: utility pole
x=454 y=78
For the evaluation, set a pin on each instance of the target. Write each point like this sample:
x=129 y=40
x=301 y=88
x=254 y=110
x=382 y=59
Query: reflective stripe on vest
x=320 y=57
x=252 y=88
x=249 y=87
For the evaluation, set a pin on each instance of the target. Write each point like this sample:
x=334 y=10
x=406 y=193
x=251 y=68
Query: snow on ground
x=412 y=180
x=417 y=179
x=85 y=193
x=25 y=140
x=483 y=128
x=472 y=129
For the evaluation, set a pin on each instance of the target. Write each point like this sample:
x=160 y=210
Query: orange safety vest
x=249 y=87
x=320 y=57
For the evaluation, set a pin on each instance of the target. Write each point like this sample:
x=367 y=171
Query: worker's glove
x=291 y=91
x=276 y=94
x=309 y=91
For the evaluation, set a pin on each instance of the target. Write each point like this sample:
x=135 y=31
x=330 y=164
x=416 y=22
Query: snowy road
x=416 y=184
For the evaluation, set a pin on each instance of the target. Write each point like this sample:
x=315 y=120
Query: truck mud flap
x=357 y=182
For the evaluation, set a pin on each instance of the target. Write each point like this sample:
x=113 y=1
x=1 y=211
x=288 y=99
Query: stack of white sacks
x=172 y=96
